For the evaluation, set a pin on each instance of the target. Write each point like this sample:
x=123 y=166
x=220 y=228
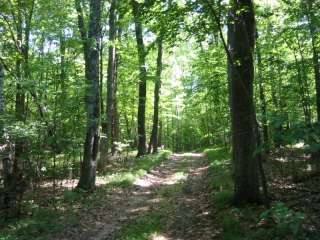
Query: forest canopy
x=104 y=92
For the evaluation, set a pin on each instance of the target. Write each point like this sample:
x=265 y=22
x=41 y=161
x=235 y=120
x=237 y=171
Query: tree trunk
x=107 y=141
x=91 y=42
x=263 y=103
x=160 y=134
x=241 y=73
x=315 y=53
x=115 y=117
x=111 y=77
x=154 y=134
x=101 y=74
x=1 y=99
x=316 y=67
x=2 y=140
x=136 y=9
x=20 y=108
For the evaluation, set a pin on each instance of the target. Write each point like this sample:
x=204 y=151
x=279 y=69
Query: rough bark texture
x=101 y=74
x=241 y=73
x=154 y=135
x=13 y=181
x=1 y=97
x=108 y=125
x=91 y=42
x=112 y=76
x=263 y=103
x=136 y=9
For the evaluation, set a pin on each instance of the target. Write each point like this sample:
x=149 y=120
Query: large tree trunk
x=111 y=78
x=101 y=75
x=136 y=9
x=2 y=108
x=263 y=103
x=241 y=73
x=115 y=120
x=13 y=181
x=107 y=141
x=1 y=98
x=20 y=105
x=91 y=42
x=154 y=134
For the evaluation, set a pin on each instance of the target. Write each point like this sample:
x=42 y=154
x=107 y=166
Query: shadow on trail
x=169 y=202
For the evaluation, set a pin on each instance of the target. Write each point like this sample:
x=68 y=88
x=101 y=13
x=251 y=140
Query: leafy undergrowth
x=50 y=212
x=134 y=169
x=251 y=222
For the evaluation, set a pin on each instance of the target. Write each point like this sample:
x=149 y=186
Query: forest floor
x=169 y=202
x=173 y=197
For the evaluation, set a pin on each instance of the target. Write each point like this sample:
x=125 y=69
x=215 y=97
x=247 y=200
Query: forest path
x=171 y=202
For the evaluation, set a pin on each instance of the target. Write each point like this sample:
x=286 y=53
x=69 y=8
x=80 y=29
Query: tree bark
x=241 y=73
x=115 y=118
x=263 y=103
x=316 y=67
x=315 y=53
x=136 y=9
x=2 y=108
x=111 y=77
x=154 y=134
x=91 y=41
x=108 y=125
x=101 y=74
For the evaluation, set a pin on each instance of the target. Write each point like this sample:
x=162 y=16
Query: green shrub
x=223 y=199
x=232 y=229
x=287 y=222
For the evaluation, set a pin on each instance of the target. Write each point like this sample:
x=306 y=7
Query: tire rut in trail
x=123 y=206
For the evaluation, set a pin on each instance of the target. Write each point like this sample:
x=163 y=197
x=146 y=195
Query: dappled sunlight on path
x=166 y=175
x=174 y=178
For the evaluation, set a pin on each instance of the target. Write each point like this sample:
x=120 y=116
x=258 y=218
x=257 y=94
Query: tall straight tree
x=1 y=106
x=263 y=102
x=154 y=134
x=310 y=13
x=112 y=76
x=91 y=41
x=315 y=51
x=136 y=9
x=1 y=98
x=109 y=125
x=241 y=74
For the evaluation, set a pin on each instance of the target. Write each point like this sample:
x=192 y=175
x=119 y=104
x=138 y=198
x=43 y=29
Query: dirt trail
x=189 y=218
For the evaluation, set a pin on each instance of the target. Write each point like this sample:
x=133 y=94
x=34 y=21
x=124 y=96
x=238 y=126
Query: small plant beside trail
x=250 y=222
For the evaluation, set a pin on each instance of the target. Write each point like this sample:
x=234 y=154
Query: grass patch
x=170 y=190
x=40 y=226
x=144 y=227
x=153 y=223
x=139 y=168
